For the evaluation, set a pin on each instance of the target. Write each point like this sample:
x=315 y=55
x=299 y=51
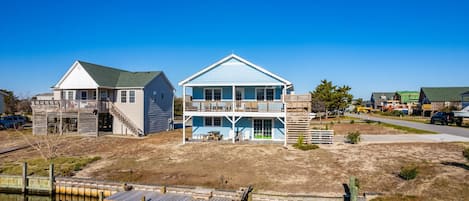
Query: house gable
x=234 y=70
x=76 y=78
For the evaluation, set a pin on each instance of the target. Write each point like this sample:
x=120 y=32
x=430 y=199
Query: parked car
x=443 y=118
x=7 y=122
x=20 y=120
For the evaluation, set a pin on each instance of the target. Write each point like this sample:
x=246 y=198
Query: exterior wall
x=133 y=111
x=2 y=103
x=158 y=105
x=244 y=125
x=227 y=94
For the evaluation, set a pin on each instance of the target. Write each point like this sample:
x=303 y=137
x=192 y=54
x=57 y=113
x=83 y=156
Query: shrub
x=301 y=146
x=465 y=153
x=409 y=172
x=352 y=121
x=354 y=137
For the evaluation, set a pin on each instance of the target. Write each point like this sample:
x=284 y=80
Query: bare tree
x=47 y=146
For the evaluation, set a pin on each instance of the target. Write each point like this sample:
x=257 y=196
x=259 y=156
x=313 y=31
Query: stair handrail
x=126 y=120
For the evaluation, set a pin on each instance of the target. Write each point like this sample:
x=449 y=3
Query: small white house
x=91 y=98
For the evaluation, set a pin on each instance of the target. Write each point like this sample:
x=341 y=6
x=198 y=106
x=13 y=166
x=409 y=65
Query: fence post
x=353 y=189
x=25 y=179
x=51 y=178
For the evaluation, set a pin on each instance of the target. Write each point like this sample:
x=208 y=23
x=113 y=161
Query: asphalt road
x=463 y=132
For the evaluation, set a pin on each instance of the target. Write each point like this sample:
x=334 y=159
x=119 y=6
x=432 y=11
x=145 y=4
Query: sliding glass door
x=262 y=128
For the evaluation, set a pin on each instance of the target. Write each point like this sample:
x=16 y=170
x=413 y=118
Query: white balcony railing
x=239 y=106
x=70 y=105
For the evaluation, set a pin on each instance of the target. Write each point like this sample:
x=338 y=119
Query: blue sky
x=369 y=45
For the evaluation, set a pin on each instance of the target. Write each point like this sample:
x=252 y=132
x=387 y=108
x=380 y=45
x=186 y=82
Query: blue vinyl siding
x=158 y=105
x=244 y=126
x=2 y=104
x=225 y=74
x=198 y=92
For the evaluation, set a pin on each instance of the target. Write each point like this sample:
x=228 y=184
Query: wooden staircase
x=114 y=111
x=297 y=117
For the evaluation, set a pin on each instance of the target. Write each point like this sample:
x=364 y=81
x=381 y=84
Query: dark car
x=443 y=118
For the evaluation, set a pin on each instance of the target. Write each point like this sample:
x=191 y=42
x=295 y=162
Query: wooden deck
x=154 y=196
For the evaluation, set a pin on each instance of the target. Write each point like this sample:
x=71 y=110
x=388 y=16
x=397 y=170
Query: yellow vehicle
x=362 y=109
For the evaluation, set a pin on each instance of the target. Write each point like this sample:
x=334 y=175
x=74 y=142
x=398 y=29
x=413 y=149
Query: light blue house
x=238 y=99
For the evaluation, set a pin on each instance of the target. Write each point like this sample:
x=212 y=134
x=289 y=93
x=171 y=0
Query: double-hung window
x=212 y=94
x=265 y=94
x=212 y=121
x=132 y=96
x=123 y=96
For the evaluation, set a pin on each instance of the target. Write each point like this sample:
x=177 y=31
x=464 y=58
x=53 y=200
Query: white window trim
x=273 y=128
x=81 y=95
x=135 y=96
x=265 y=93
x=213 y=97
x=120 y=96
x=212 y=125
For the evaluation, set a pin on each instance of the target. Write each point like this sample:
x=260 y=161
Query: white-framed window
x=123 y=96
x=212 y=121
x=83 y=95
x=265 y=94
x=131 y=96
x=239 y=94
x=93 y=95
x=70 y=95
x=212 y=94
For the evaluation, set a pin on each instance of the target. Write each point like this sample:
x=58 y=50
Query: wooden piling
x=24 y=178
x=51 y=179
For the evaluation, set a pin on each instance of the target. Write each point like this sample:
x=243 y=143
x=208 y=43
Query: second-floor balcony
x=239 y=106
x=70 y=105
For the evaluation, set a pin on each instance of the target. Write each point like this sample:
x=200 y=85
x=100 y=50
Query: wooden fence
x=321 y=136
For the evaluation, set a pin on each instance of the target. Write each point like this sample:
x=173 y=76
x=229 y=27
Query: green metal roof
x=440 y=94
x=409 y=96
x=113 y=77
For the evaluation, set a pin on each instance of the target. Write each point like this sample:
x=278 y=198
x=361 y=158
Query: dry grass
x=161 y=159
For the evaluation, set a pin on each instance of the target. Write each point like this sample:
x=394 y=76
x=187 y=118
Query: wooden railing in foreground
x=314 y=137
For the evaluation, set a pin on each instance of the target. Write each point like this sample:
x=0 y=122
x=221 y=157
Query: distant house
x=380 y=100
x=240 y=100
x=434 y=99
x=2 y=101
x=44 y=96
x=92 y=98
x=408 y=100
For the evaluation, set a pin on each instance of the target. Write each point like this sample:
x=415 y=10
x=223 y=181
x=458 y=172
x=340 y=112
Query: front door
x=262 y=128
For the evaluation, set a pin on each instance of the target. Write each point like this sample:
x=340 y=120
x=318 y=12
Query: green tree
x=10 y=102
x=178 y=106
x=359 y=102
x=332 y=96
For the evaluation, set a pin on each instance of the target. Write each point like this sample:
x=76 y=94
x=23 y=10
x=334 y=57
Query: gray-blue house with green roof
x=94 y=99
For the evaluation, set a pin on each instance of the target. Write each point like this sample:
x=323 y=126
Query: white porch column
x=285 y=111
x=183 y=114
x=233 y=112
